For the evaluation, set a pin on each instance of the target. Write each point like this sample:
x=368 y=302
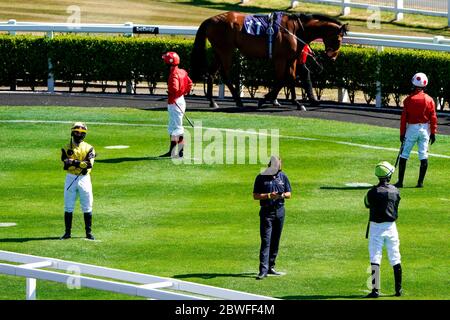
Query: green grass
x=173 y=12
x=199 y=222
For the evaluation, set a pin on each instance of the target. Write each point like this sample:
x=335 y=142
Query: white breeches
x=82 y=187
x=381 y=234
x=419 y=133
x=175 y=127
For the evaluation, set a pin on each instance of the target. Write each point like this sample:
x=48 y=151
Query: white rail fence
x=436 y=43
x=129 y=283
x=397 y=6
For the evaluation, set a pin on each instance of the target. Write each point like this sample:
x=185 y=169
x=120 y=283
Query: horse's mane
x=321 y=17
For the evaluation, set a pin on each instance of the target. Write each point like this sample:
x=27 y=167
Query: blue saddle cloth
x=258 y=24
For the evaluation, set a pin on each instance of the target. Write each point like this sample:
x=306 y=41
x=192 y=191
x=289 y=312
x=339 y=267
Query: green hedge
x=118 y=59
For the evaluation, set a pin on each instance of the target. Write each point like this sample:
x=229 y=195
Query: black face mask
x=78 y=137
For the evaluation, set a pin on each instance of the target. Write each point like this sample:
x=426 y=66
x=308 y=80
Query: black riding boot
x=398 y=279
x=311 y=98
x=180 y=146
x=422 y=173
x=401 y=172
x=307 y=85
x=169 y=153
x=375 y=281
x=88 y=225
x=68 y=224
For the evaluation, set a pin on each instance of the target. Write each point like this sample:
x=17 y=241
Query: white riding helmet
x=420 y=80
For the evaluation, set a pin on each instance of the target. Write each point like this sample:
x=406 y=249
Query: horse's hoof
x=214 y=105
x=301 y=107
x=275 y=103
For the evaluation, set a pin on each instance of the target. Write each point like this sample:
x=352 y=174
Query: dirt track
x=329 y=111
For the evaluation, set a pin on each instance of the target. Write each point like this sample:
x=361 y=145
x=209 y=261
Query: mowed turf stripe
x=366 y=146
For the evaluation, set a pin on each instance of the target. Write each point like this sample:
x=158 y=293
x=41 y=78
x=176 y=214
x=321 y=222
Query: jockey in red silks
x=178 y=85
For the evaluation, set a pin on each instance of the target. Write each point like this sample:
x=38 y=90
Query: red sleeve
x=188 y=85
x=404 y=116
x=432 y=115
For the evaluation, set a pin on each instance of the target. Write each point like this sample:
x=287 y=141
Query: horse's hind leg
x=209 y=93
x=209 y=84
x=226 y=60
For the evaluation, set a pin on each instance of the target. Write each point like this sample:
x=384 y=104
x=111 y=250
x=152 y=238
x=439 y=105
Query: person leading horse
x=229 y=31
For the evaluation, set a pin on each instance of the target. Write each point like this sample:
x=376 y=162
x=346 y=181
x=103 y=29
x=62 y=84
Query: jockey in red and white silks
x=178 y=85
x=418 y=124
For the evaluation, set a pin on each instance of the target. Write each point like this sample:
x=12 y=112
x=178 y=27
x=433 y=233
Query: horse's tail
x=198 y=55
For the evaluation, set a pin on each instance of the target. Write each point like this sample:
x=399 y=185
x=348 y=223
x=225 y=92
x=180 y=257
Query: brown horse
x=225 y=33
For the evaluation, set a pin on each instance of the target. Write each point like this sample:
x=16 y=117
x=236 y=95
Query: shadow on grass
x=28 y=239
x=230 y=6
x=345 y=188
x=322 y=297
x=129 y=159
x=215 y=275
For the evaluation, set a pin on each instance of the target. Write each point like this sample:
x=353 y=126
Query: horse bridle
x=304 y=43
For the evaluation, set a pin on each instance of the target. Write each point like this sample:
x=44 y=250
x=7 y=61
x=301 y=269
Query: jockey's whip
x=398 y=156
x=184 y=114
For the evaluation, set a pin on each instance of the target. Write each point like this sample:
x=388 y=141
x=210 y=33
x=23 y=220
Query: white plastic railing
x=397 y=7
x=129 y=283
x=438 y=43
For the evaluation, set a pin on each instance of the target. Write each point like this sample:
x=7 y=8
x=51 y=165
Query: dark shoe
x=274 y=272
x=373 y=294
x=65 y=236
x=180 y=154
x=90 y=236
x=169 y=153
x=261 y=276
x=398 y=293
x=166 y=155
x=419 y=185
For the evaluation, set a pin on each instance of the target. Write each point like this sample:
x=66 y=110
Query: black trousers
x=270 y=227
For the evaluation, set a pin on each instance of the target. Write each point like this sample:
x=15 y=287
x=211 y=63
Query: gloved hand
x=83 y=165
x=402 y=139
x=67 y=163
x=76 y=163
x=432 y=138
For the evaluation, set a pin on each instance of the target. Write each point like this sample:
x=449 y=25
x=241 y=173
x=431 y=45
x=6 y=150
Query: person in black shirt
x=271 y=188
x=383 y=200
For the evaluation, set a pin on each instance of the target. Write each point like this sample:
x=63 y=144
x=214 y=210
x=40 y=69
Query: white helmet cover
x=420 y=80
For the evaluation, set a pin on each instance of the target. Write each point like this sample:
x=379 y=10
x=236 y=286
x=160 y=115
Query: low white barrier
x=139 y=284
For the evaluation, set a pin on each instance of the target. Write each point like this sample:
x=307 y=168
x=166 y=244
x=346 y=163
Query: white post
x=345 y=9
x=51 y=77
x=12 y=21
x=448 y=13
x=221 y=91
x=31 y=289
x=294 y=4
x=378 y=96
x=343 y=95
x=129 y=83
x=398 y=14
x=244 y=1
